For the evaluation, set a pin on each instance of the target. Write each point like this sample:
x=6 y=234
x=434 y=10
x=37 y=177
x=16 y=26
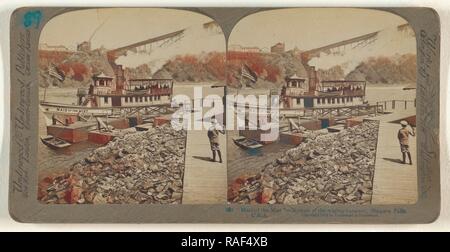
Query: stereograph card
x=224 y=115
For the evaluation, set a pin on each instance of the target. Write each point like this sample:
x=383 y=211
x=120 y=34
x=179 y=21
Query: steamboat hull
x=65 y=110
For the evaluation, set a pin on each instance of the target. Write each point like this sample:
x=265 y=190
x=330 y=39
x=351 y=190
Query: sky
x=303 y=28
x=308 y=28
x=122 y=26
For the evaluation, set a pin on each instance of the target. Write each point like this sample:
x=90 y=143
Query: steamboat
x=113 y=95
x=105 y=98
x=298 y=94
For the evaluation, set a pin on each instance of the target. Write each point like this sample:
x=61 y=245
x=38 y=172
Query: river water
x=54 y=161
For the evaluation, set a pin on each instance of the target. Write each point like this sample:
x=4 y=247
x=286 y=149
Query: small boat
x=410 y=87
x=246 y=143
x=54 y=142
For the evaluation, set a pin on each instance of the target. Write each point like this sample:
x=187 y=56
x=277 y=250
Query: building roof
x=278 y=44
x=103 y=76
x=295 y=77
x=343 y=81
x=151 y=79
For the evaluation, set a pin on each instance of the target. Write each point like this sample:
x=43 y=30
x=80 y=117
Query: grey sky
x=309 y=28
x=303 y=28
x=123 y=26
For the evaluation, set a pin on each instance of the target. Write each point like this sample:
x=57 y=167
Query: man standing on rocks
x=213 y=135
x=403 y=138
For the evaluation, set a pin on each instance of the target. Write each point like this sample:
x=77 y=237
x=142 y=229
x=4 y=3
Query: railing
x=164 y=91
x=397 y=104
x=294 y=92
x=344 y=92
x=101 y=92
x=353 y=92
x=346 y=111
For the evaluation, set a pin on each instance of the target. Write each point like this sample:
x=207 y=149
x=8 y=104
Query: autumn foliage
x=388 y=70
x=54 y=57
x=204 y=67
x=214 y=66
x=78 y=71
x=256 y=62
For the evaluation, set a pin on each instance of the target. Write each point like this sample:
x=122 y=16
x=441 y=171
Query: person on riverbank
x=213 y=135
x=403 y=138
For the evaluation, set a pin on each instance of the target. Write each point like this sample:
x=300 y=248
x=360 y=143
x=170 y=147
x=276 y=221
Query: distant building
x=406 y=29
x=212 y=27
x=84 y=46
x=247 y=49
x=277 y=48
x=47 y=47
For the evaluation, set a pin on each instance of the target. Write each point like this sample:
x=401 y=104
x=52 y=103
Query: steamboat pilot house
x=102 y=93
x=297 y=94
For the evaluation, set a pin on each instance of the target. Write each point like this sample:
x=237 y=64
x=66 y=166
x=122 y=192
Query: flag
x=247 y=73
x=55 y=72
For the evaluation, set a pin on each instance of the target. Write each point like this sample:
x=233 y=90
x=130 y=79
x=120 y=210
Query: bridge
x=163 y=38
x=352 y=43
x=112 y=55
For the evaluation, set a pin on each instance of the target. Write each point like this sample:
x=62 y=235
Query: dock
x=205 y=182
x=394 y=182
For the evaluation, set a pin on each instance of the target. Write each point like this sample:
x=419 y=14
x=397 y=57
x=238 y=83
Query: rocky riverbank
x=334 y=168
x=142 y=167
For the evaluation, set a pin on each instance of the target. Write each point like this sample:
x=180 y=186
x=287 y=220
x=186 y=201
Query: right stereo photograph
x=346 y=86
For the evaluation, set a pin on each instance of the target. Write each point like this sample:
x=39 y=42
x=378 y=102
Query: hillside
x=194 y=68
x=385 y=70
x=79 y=67
x=271 y=69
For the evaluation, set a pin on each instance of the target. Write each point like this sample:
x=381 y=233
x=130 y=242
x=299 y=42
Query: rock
x=282 y=160
x=335 y=168
x=177 y=196
x=350 y=197
x=366 y=197
x=289 y=200
x=265 y=196
x=136 y=167
x=252 y=195
x=99 y=199
x=73 y=195
x=89 y=197
x=344 y=169
x=81 y=200
x=362 y=189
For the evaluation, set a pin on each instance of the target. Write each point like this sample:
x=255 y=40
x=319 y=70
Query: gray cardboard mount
x=26 y=24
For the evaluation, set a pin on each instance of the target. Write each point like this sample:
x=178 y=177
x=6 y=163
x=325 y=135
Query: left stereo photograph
x=107 y=78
